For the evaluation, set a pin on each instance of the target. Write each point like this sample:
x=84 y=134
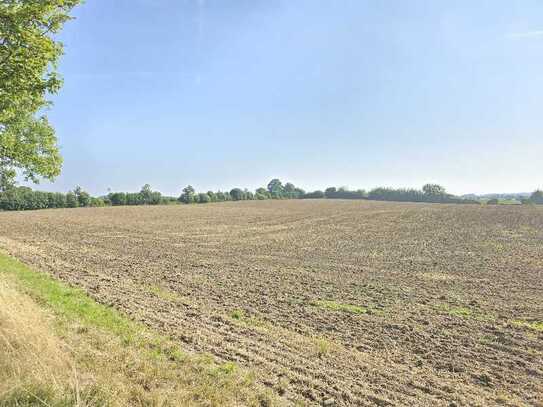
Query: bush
x=59 y=200
x=203 y=198
x=314 y=195
x=97 y=202
x=71 y=200
x=83 y=198
x=494 y=201
x=212 y=196
x=263 y=193
x=134 y=198
x=344 y=193
x=117 y=198
x=237 y=194
x=188 y=195
x=415 y=195
x=537 y=197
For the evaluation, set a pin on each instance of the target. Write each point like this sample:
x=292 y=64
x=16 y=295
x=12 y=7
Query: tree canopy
x=28 y=61
x=537 y=197
x=433 y=190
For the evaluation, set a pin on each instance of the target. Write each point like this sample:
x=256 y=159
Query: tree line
x=24 y=198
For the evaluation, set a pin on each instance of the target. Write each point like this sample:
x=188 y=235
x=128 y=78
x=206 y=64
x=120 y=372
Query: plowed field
x=330 y=302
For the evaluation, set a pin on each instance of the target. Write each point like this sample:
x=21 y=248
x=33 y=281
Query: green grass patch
x=238 y=315
x=132 y=364
x=466 y=313
x=536 y=325
x=71 y=303
x=462 y=312
x=336 y=306
x=165 y=294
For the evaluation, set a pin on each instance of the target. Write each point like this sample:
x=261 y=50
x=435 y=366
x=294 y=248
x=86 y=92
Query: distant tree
x=188 y=195
x=330 y=192
x=71 y=200
x=260 y=196
x=117 y=198
x=433 y=190
x=97 y=202
x=149 y=197
x=314 y=195
x=290 y=191
x=212 y=196
x=289 y=187
x=83 y=198
x=265 y=194
x=248 y=195
x=134 y=198
x=345 y=193
x=537 y=197
x=203 y=198
x=146 y=193
x=493 y=201
x=220 y=196
x=155 y=198
x=58 y=200
x=362 y=193
x=237 y=194
x=275 y=187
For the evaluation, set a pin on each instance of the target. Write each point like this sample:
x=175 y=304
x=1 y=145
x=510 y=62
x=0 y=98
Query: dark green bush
x=203 y=198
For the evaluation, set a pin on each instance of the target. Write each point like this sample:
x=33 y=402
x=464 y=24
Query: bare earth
x=365 y=303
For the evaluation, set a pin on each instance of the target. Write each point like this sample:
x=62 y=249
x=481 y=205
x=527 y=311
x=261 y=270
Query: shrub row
x=24 y=198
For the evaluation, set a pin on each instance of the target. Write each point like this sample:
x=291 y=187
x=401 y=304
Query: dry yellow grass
x=60 y=348
x=34 y=363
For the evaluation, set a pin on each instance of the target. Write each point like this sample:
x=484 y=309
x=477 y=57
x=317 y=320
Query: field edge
x=112 y=360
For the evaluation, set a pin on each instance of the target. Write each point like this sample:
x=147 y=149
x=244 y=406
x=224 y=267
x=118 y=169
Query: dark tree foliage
x=275 y=187
x=212 y=196
x=415 y=195
x=23 y=198
x=344 y=193
x=314 y=195
x=537 y=197
x=237 y=194
x=71 y=200
x=117 y=198
x=83 y=198
x=434 y=190
x=263 y=193
x=145 y=197
x=188 y=195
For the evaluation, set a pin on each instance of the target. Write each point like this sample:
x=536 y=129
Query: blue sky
x=219 y=93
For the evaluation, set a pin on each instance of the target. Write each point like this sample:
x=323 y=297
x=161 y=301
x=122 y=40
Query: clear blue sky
x=220 y=94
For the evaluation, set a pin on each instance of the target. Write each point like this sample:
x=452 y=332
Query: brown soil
x=339 y=302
